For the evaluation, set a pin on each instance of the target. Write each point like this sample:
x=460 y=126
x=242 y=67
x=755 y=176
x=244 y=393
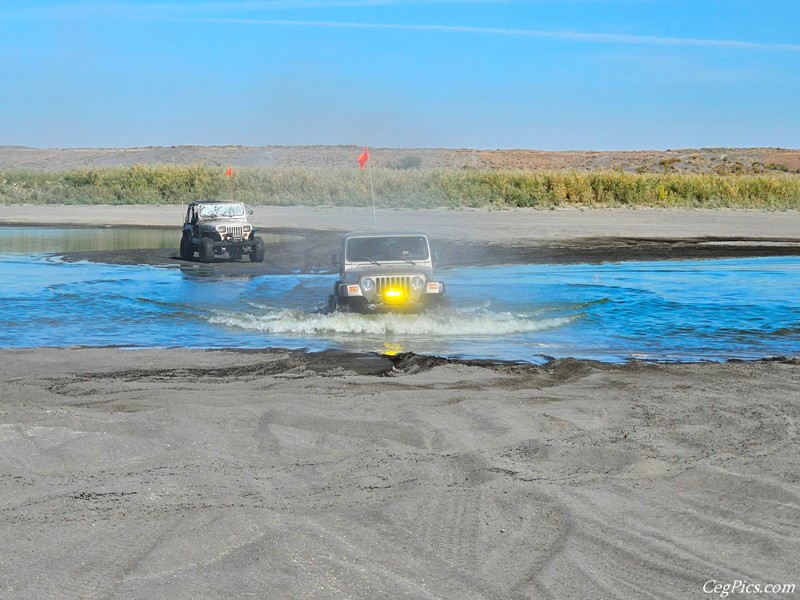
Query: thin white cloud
x=569 y=36
x=194 y=12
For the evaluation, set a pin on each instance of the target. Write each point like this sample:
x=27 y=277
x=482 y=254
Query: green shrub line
x=408 y=188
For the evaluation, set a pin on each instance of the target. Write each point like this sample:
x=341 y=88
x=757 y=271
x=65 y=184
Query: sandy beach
x=462 y=237
x=281 y=474
x=276 y=474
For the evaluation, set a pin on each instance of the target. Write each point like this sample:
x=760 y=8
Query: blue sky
x=572 y=74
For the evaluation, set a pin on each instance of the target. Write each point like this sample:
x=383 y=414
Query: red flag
x=229 y=172
x=363 y=157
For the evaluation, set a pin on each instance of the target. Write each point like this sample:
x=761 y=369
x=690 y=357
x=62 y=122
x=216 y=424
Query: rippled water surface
x=688 y=310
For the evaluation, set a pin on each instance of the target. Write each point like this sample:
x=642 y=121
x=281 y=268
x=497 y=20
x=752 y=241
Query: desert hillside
x=704 y=160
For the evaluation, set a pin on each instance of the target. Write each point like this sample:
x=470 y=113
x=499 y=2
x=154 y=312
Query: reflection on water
x=688 y=310
x=34 y=240
x=41 y=240
x=393 y=348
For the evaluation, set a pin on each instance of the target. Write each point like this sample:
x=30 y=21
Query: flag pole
x=372 y=189
x=363 y=161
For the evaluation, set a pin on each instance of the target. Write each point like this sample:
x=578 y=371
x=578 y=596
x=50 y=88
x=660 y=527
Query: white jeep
x=385 y=272
x=214 y=227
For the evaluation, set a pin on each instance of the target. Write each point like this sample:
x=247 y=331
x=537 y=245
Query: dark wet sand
x=463 y=238
x=281 y=474
x=312 y=252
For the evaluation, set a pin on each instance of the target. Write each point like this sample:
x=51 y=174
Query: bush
x=408 y=188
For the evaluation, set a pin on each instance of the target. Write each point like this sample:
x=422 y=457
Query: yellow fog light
x=394 y=295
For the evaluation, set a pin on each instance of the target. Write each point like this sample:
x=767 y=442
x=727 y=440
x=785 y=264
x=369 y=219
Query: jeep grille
x=235 y=232
x=402 y=282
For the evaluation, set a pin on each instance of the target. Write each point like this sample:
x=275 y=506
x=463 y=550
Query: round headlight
x=221 y=228
x=367 y=284
x=417 y=282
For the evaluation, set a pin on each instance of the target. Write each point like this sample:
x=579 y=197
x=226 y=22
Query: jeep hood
x=390 y=268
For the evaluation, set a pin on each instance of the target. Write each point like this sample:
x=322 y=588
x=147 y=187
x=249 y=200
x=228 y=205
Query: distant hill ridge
x=702 y=160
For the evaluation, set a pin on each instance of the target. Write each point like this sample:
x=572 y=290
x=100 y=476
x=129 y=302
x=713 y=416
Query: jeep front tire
x=187 y=250
x=257 y=251
x=206 y=250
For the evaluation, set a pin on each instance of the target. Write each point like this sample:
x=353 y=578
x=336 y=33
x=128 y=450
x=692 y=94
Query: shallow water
x=30 y=240
x=687 y=310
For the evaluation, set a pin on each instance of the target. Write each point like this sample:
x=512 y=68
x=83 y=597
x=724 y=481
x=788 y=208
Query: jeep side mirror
x=336 y=259
x=249 y=212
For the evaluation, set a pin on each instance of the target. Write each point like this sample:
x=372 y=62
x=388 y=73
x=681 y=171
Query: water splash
x=678 y=310
x=441 y=323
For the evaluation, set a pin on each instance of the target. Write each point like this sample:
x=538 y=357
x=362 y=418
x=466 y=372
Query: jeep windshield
x=406 y=248
x=217 y=211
